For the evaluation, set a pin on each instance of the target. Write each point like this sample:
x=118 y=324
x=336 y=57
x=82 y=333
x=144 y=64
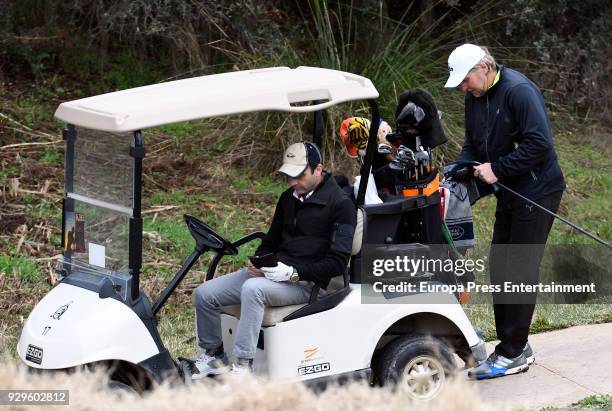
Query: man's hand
x=282 y=272
x=254 y=271
x=484 y=173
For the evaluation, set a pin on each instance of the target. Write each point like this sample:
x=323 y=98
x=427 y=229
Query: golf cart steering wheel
x=205 y=236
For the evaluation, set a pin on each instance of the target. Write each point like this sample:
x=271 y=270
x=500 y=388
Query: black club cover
x=429 y=129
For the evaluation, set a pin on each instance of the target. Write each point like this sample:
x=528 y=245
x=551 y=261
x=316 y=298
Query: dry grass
x=87 y=391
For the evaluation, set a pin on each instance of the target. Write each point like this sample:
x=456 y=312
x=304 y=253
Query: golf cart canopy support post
x=69 y=135
x=137 y=151
x=366 y=167
x=317 y=127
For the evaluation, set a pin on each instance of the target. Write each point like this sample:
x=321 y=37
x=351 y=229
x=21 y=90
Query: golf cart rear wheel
x=418 y=365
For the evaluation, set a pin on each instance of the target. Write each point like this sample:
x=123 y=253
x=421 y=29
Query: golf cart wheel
x=418 y=365
x=118 y=386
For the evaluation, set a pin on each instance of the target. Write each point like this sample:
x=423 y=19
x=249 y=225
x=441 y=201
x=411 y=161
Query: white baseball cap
x=461 y=61
x=298 y=156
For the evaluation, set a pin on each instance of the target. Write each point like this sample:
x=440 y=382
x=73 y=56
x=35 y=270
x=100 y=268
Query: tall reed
x=396 y=55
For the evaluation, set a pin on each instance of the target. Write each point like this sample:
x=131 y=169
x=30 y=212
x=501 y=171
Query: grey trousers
x=254 y=294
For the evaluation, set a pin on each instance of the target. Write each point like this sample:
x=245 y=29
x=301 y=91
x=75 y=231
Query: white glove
x=282 y=272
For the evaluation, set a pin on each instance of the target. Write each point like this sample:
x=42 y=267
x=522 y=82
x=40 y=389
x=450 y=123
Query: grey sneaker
x=210 y=365
x=498 y=366
x=528 y=353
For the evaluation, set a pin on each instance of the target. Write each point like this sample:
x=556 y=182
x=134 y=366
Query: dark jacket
x=316 y=236
x=509 y=128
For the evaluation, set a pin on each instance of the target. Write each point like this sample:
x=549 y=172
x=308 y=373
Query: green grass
x=50 y=88
x=121 y=70
x=600 y=402
x=22 y=267
x=175 y=236
x=9 y=172
x=187 y=129
x=51 y=156
x=48 y=210
x=34 y=111
x=588 y=172
x=177 y=243
x=177 y=327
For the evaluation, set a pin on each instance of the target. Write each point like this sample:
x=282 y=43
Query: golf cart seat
x=273 y=315
x=358 y=236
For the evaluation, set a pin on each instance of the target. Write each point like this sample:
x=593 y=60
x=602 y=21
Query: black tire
x=417 y=364
x=126 y=377
x=121 y=387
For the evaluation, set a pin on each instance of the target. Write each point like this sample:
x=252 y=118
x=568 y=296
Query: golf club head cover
x=385 y=148
x=354 y=133
x=429 y=127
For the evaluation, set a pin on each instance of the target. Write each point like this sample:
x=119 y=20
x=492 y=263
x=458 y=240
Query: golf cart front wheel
x=418 y=365
x=118 y=386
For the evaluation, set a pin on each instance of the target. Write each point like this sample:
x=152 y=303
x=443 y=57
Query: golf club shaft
x=498 y=185
x=566 y=221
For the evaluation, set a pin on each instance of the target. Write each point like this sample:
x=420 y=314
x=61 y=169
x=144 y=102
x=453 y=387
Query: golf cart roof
x=275 y=88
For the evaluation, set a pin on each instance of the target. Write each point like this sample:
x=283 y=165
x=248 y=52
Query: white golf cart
x=98 y=314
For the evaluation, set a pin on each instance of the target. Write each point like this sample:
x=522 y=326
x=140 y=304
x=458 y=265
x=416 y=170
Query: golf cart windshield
x=99 y=203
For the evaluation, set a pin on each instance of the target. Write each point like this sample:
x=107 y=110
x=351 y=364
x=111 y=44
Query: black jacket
x=316 y=236
x=509 y=128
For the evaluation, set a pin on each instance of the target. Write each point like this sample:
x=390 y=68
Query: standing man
x=507 y=130
x=311 y=237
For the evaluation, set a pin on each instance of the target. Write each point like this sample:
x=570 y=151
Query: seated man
x=311 y=235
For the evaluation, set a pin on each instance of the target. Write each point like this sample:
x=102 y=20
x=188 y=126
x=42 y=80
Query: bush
x=565 y=46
